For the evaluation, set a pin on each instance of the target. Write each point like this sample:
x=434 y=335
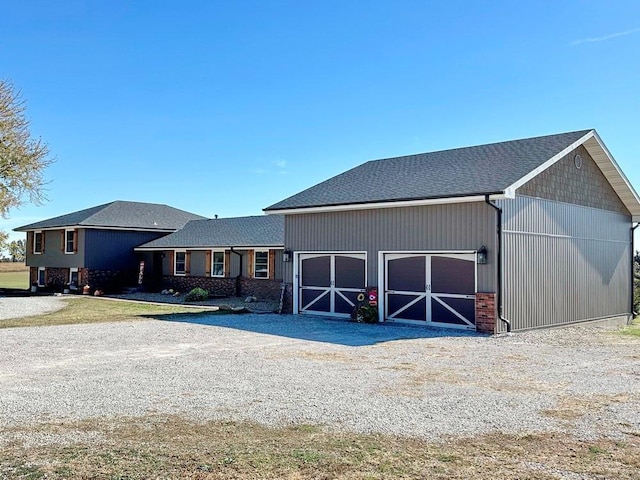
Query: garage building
x=508 y=236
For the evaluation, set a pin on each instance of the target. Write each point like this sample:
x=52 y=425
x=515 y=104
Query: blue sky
x=227 y=107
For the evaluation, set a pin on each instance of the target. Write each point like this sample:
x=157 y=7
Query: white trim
x=71 y=270
x=382 y=284
x=92 y=227
x=33 y=247
x=319 y=253
x=42 y=269
x=201 y=248
x=175 y=260
x=390 y=204
x=66 y=241
x=255 y=251
x=224 y=261
x=558 y=156
x=605 y=162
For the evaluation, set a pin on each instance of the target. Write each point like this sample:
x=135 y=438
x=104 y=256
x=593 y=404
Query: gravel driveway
x=365 y=378
x=14 y=307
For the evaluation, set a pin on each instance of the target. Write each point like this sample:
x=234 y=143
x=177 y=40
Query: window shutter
x=63 y=240
x=250 y=256
x=227 y=263
x=187 y=263
x=75 y=241
x=207 y=267
x=171 y=263
x=272 y=264
x=43 y=242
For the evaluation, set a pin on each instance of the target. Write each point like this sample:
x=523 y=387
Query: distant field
x=14 y=275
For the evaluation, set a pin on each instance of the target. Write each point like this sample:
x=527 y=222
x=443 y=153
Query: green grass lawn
x=14 y=280
x=82 y=309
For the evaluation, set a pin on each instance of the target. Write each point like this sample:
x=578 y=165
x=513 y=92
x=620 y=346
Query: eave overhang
x=478 y=197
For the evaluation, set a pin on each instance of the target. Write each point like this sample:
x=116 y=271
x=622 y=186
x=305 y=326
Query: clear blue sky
x=227 y=107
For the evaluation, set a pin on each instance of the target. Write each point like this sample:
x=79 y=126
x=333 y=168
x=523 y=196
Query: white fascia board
x=399 y=204
x=616 y=178
x=90 y=227
x=217 y=248
x=534 y=173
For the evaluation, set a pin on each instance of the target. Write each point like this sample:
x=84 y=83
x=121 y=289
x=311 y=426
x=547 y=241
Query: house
x=507 y=236
x=95 y=246
x=227 y=256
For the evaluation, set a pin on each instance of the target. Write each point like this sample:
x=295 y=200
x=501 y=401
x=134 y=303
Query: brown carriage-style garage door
x=435 y=289
x=329 y=283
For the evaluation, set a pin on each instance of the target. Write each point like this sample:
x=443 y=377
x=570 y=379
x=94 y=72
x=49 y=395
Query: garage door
x=329 y=283
x=434 y=289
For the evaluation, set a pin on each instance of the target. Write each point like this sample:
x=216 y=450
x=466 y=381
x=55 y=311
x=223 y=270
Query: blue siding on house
x=113 y=249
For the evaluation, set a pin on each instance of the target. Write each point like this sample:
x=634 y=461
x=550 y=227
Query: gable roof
x=461 y=174
x=257 y=231
x=120 y=215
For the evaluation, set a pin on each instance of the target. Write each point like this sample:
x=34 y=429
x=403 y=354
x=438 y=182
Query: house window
x=70 y=241
x=42 y=276
x=180 y=267
x=73 y=277
x=261 y=264
x=217 y=264
x=37 y=242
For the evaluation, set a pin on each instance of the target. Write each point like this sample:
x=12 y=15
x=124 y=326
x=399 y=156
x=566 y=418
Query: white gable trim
x=605 y=162
x=558 y=156
x=398 y=204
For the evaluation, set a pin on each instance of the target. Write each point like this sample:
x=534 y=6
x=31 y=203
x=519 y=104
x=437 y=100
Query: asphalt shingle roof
x=121 y=214
x=263 y=230
x=449 y=173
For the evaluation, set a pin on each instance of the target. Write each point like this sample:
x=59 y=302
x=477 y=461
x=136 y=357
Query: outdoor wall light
x=482 y=255
x=286 y=255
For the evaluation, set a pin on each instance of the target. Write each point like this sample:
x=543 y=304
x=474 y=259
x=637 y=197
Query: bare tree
x=22 y=158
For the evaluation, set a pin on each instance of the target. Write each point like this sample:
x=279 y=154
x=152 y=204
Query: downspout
x=239 y=272
x=633 y=253
x=499 y=261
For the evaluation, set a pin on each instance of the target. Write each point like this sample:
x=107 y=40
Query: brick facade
x=486 y=313
x=262 y=289
x=219 y=287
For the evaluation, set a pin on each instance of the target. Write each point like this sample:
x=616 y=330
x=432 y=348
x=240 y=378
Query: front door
x=435 y=289
x=329 y=283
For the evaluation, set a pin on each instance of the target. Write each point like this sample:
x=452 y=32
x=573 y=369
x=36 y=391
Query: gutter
x=239 y=272
x=633 y=251
x=499 y=261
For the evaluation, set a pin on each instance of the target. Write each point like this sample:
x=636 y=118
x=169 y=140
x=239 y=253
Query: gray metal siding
x=279 y=266
x=113 y=249
x=564 y=263
x=461 y=226
x=53 y=255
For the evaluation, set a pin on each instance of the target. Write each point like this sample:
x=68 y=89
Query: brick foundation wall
x=262 y=289
x=219 y=287
x=57 y=277
x=486 y=313
x=110 y=281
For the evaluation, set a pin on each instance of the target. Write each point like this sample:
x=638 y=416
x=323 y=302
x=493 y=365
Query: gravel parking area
x=365 y=378
x=15 y=307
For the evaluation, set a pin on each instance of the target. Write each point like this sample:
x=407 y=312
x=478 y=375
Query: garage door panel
x=345 y=302
x=406 y=274
x=316 y=271
x=349 y=272
x=434 y=288
x=453 y=275
x=315 y=300
x=330 y=282
x=464 y=307
x=407 y=307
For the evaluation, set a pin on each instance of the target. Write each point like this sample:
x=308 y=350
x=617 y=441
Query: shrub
x=197 y=295
x=365 y=314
